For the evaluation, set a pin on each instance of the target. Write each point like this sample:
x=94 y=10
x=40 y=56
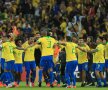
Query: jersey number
x=73 y=50
x=11 y=49
x=49 y=44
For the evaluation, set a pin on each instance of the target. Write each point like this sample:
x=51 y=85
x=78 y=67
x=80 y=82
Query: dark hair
x=38 y=33
x=17 y=40
x=31 y=35
x=81 y=38
x=90 y=38
x=106 y=37
x=8 y=36
x=44 y=32
x=68 y=39
x=100 y=37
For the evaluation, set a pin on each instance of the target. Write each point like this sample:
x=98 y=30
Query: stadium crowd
x=23 y=23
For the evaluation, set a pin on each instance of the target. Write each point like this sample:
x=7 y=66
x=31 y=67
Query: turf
x=23 y=87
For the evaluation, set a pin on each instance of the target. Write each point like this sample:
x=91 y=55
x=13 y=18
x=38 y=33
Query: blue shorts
x=45 y=69
x=3 y=63
x=57 y=68
x=100 y=67
x=18 y=68
x=71 y=66
x=30 y=65
x=83 y=66
x=10 y=65
x=93 y=66
x=106 y=63
x=46 y=61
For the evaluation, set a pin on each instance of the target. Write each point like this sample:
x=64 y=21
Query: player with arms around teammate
x=8 y=48
x=71 y=62
x=47 y=44
x=18 y=62
x=99 y=62
x=82 y=60
x=29 y=61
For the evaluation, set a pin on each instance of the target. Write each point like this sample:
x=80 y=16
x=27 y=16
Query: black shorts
x=62 y=69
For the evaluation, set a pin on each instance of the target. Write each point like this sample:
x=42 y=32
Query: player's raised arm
x=19 y=48
x=87 y=50
x=84 y=50
x=62 y=43
x=93 y=51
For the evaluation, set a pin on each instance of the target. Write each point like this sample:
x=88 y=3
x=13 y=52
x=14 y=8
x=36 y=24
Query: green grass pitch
x=23 y=87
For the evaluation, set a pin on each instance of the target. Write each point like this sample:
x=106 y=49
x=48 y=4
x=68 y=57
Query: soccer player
x=9 y=57
x=29 y=61
x=82 y=60
x=89 y=79
x=57 y=64
x=5 y=80
x=47 y=44
x=18 y=62
x=99 y=62
x=8 y=48
x=62 y=59
x=37 y=51
x=71 y=62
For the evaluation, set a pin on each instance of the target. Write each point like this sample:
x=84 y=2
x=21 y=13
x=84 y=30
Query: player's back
x=47 y=44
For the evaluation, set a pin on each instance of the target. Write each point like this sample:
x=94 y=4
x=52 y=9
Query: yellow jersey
x=29 y=53
x=8 y=48
x=106 y=51
x=70 y=51
x=94 y=58
x=99 y=55
x=3 y=52
x=18 y=56
x=82 y=56
x=47 y=44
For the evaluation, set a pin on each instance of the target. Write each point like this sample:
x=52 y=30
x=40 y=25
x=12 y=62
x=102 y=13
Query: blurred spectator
x=61 y=17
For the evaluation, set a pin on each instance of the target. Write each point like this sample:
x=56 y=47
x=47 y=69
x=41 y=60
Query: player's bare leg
x=98 y=78
x=51 y=76
x=103 y=79
x=83 y=78
x=40 y=76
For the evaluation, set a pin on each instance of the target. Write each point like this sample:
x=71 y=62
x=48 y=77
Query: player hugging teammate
x=58 y=62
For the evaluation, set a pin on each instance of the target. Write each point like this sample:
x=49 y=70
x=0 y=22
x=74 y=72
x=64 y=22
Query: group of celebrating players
x=76 y=55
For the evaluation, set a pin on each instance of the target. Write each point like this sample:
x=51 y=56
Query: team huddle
x=76 y=55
